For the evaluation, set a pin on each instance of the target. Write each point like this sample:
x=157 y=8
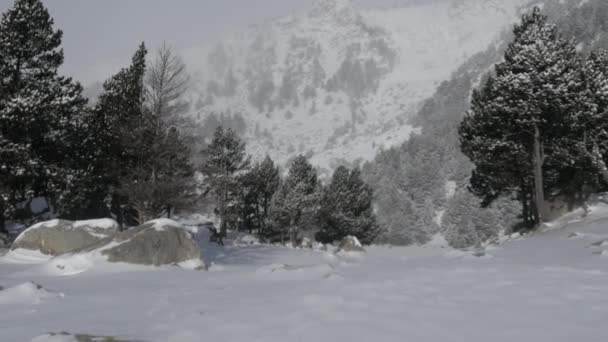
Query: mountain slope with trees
x=421 y=186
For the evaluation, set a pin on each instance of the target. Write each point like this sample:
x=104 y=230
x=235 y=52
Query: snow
x=438 y=240
x=55 y=338
x=247 y=240
x=450 y=189
x=26 y=294
x=24 y=256
x=98 y=223
x=539 y=287
x=160 y=224
x=430 y=40
x=91 y=226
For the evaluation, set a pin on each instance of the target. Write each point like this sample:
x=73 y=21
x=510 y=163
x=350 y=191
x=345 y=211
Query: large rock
x=60 y=236
x=350 y=244
x=159 y=242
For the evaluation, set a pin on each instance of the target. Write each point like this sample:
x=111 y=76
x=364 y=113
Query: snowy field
x=552 y=286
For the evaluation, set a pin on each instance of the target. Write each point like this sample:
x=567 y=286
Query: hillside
x=337 y=83
x=430 y=169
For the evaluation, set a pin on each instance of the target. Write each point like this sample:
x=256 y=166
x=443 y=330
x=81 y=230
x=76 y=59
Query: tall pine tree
x=117 y=124
x=37 y=109
x=346 y=208
x=516 y=118
x=256 y=191
x=296 y=201
x=225 y=160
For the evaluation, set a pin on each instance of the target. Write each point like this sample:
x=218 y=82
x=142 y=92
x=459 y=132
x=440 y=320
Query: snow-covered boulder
x=60 y=236
x=350 y=244
x=158 y=242
x=26 y=293
x=306 y=243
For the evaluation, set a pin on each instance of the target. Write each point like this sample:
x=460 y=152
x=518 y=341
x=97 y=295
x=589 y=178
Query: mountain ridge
x=335 y=82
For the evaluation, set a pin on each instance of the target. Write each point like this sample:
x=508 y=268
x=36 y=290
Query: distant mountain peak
x=339 y=10
x=335 y=82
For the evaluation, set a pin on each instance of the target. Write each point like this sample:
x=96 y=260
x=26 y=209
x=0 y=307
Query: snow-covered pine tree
x=585 y=145
x=178 y=188
x=37 y=109
x=346 y=208
x=225 y=160
x=257 y=188
x=163 y=177
x=517 y=115
x=295 y=202
x=116 y=124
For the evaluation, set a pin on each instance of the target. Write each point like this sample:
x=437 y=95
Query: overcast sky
x=100 y=35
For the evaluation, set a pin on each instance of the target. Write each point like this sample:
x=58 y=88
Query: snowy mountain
x=335 y=82
x=421 y=185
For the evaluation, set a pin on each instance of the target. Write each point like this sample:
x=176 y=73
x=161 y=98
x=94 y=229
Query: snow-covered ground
x=552 y=286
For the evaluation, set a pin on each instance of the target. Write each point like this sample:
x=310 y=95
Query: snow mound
x=290 y=272
x=472 y=254
x=160 y=224
x=246 y=240
x=192 y=264
x=601 y=243
x=104 y=223
x=349 y=245
x=576 y=235
x=70 y=264
x=24 y=256
x=55 y=338
x=439 y=241
x=196 y=219
x=603 y=253
x=66 y=337
x=28 y=293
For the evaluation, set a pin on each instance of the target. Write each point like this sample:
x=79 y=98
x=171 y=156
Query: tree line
x=128 y=155
x=538 y=125
x=255 y=196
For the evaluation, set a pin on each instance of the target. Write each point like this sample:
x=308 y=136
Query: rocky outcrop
x=159 y=242
x=60 y=236
x=350 y=244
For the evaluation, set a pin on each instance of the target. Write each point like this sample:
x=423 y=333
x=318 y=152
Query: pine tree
x=163 y=177
x=256 y=191
x=117 y=124
x=346 y=208
x=37 y=108
x=518 y=115
x=585 y=144
x=225 y=160
x=295 y=202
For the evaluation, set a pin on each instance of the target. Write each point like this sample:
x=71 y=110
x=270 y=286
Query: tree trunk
x=599 y=162
x=223 y=204
x=117 y=209
x=537 y=165
x=141 y=216
x=293 y=232
x=2 y=220
x=525 y=207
